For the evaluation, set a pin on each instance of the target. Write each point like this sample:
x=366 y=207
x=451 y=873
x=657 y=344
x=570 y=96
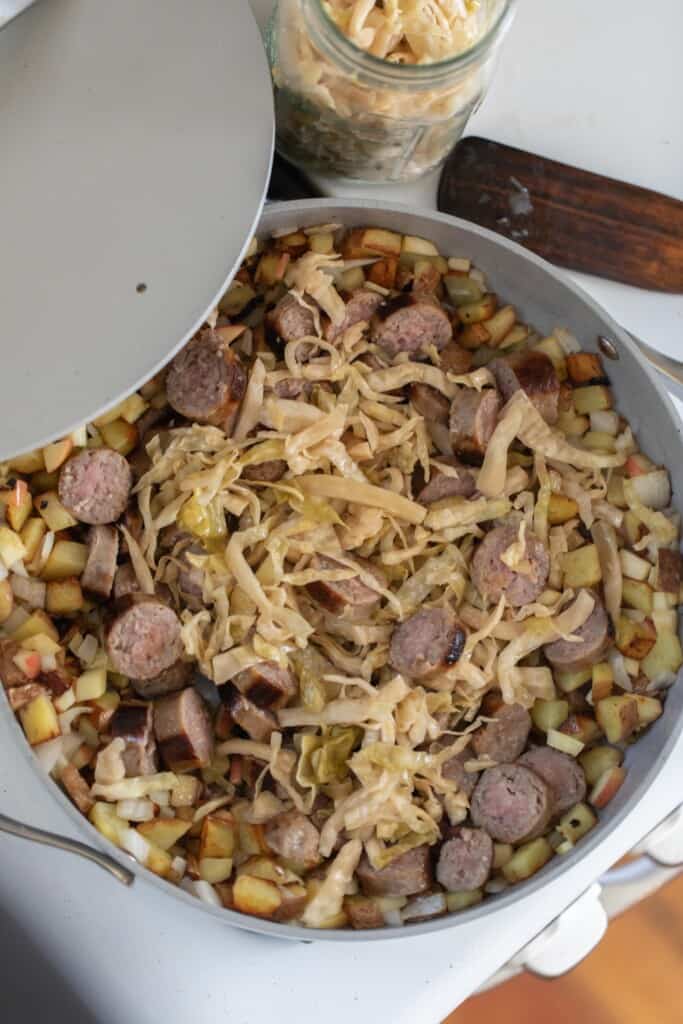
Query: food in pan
x=350 y=617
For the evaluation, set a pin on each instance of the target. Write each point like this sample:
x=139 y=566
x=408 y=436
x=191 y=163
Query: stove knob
x=568 y=940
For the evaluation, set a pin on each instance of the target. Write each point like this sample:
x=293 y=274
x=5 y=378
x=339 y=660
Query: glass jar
x=344 y=112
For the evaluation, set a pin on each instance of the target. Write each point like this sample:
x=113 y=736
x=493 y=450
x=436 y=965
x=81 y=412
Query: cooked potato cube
x=581 y=728
x=11 y=547
x=383 y=272
x=295 y=243
x=635 y=639
x=617 y=717
x=18 y=506
x=271 y=268
x=500 y=324
x=549 y=714
x=215 y=869
x=596 y=761
x=502 y=853
x=6 y=600
x=567 y=682
x=633 y=566
x=527 y=860
x=256 y=896
x=37 y=622
x=476 y=312
x=164 y=832
x=462 y=900
x=64 y=597
x=592 y=399
x=581 y=567
x=607 y=786
x=105 y=819
x=322 y=243
x=649 y=709
x=66 y=559
x=91 y=684
x=636 y=594
x=577 y=822
x=664 y=657
x=54 y=455
x=384 y=243
x=53 y=512
x=567 y=744
x=40 y=721
x=251 y=839
x=602 y=681
x=218 y=835
x=158 y=861
x=133 y=407
x=32 y=537
x=561 y=509
x=186 y=791
x=585 y=368
x=267 y=867
x=120 y=435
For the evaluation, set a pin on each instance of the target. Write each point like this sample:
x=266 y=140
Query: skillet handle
x=37 y=835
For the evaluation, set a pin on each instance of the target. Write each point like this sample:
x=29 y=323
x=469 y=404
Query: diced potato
x=615 y=490
x=54 y=455
x=64 y=597
x=549 y=714
x=186 y=791
x=649 y=709
x=53 y=512
x=664 y=657
x=158 y=861
x=502 y=853
x=67 y=558
x=555 y=353
x=596 y=761
x=120 y=435
x=599 y=441
x=385 y=243
x=296 y=242
x=567 y=682
x=581 y=567
x=561 y=509
x=322 y=243
x=65 y=700
x=581 y=728
x=617 y=717
x=462 y=900
x=473 y=336
x=475 y=312
x=567 y=744
x=6 y=600
x=607 y=786
x=40 y=721
x=32 y=537
x=577 y=822
x=592 y=399
x=635 y=639
x=633 y=566
x=91 y=684
x=19 y=505
x=133 y=407
x=37 y=622
x=164 y=832
x=637 y=594
x=527 y=860
x=665 y=620
x=11 y=547
x=105 y=819
x=515 y=337
x=585 y=368
x=218 y=835
x=251 y=839
x=30 y=462
x=215 y=869
x=602 y=681
x=500 y=324
x=256 y=896
x=418 y=245
x=267 y=867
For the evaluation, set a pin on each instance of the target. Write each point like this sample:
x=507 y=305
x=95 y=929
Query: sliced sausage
x=94 y=486
x=505 y=738
x=669 y=570
x=441 y=486
x=473 y=419
x=270 y=471
x=191 y=578
x=492 y=577
x=171 y=679
x=290 y=320
x=410 y=323
x=361 y=307
x=454 y=769
x=595 y=636
x=352 y=596
x=562 y=773
x=100 y=567
x=292 y=388
x=511 y=803
x=183 y=730
x=465 y=861
x=455 y=358
x=533 y=373
x=266 y=684
x=406 y=875
x=143 y=637
x=258 y=723
x=292 y=836
x=425 y=643
x=206 y=382
x=133 y=723
x=430 y=403
x=125 y=581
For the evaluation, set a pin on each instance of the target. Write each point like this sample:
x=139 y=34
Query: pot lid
x=137 y=141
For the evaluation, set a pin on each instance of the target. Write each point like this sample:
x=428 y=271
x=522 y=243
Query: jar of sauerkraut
x=380 y=90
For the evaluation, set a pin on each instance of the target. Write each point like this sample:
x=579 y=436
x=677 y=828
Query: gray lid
x=136 y=149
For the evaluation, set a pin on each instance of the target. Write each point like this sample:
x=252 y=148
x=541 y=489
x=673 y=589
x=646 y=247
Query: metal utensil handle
x=37 y=835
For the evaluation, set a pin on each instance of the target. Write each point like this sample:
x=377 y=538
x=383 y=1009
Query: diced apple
x=54 y=455
x=32 y=535
x=476 y=312
x=120 y=435
x=28 y=662
x=322 y=243
x=596 y=761
x=527 y=860
x=571 y=424
x=419 y=246
x=37 y=622
x=635 y=639
x=91 y=684
x=42 y=643
x=164 y=832
x=256 y=896
x=19 y=506
x=579 y=820
x=567 y=682
x=67 y=558
x=580 y=727
x=664 y=657
x=649 y=709
x=561 y=509
x=585 y=368
x=64 y=597
x=11 y=547
x=6 y=600
x=592 y=399
x=602 y=681
x=186 y=791
x=267 y=867
x=549 y=714
x=581 y=567
x=617 y=717
x=218 y=835
x=638 y=464
x=40 y=721
x=53 y=512
x=215 y=869
x=607 y=786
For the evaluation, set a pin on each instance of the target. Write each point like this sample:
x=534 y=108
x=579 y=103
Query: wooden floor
x=635 y=976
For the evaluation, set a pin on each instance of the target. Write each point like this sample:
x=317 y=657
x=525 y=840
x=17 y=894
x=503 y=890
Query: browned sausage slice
x=562 y=773
x=183 y=730
x=406 y=875
x=350 y=596
x=100 y=568
x=143 y=637
x=455 y=358
x=492 y=577
x=292 y=836
x=125 y=581
x=430 y=403
x=533 y=373
x=206 y=382
x=258 y=723
x=594 y=636
x=454 y=769
x=425 y=643
x=270 y=471
x=410 y=323
x=171 y=679
x=669 y=570
x=473 y=419
x=441 y=486
x=511 y=803
x=505 y=738
x=465 y=860
x=361 y=307
x=94 y=486
x=133 y=723
x=290 y=320
x=267 y=684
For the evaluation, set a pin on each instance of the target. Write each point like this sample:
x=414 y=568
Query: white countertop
x=580 y=82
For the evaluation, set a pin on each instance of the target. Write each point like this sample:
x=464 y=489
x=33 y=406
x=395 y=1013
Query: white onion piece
x=135 y=844
x=87 y=649
x=178 y=866
x=393 y=919
x=206 y=893
x=135 y=810
x=621 y=676
x=50 y=753
x=48 y=663
x=431 y=905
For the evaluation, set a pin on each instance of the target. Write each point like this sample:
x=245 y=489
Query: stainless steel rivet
x=607 y=347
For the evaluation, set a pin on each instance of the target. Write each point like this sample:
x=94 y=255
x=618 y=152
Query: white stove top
x=576 y=85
